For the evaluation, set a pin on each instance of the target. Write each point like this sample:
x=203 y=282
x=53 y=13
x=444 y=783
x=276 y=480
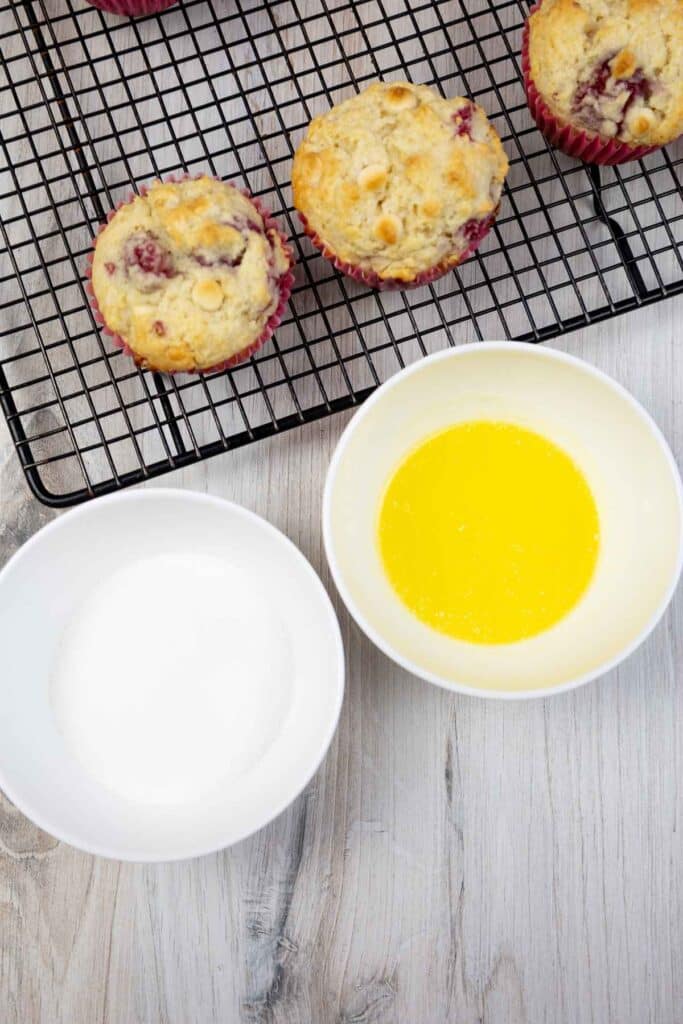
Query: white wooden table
x=453 y=860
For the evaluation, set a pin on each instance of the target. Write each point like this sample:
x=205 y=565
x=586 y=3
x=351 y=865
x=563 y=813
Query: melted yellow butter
x=488 y=532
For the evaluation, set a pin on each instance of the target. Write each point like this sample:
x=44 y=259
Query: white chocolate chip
x=373 y=176
x=208 y=295
x=388 y=229
x=398 y=97
x=640 y=120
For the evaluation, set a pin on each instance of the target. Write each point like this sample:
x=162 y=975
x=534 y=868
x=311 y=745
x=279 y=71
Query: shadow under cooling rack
x=93 y=104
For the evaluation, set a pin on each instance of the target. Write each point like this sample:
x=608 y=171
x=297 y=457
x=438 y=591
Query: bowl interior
x=628 y=466
x=53 y=574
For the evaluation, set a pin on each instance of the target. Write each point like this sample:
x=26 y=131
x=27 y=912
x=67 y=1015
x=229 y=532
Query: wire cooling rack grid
x=93 y=104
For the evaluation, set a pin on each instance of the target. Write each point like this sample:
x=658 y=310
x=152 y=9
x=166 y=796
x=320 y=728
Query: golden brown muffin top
x=390 y=179
x=188 y=273
x=613 y=67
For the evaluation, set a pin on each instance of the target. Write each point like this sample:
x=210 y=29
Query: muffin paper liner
x=586 y=146
x=132 y=8
x=284 y=284
x=373 y=280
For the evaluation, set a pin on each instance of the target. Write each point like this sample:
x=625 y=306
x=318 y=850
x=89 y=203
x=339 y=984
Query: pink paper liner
x=285 y=282
x=373 y=280
x=587 y=146
x=132 y=8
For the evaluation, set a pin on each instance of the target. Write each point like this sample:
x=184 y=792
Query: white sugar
x=172 y=678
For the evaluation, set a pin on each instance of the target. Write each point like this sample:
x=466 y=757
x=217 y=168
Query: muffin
x=397 y=185
x=604 y=78
x=190 y=275
x=132 y=8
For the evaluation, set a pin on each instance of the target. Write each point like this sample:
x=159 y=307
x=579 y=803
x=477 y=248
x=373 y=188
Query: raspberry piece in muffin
x=146 y=261
x=190 y=275
x=615 y=89
x=462 y=119
x=605 y=80
x=398 y=185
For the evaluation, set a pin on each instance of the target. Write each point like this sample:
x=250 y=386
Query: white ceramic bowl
x=54 y=572
x=628 y=465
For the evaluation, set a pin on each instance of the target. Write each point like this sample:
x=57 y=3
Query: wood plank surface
x=454 y=861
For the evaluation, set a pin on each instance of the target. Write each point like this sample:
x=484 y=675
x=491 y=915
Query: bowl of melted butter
x=504 y=520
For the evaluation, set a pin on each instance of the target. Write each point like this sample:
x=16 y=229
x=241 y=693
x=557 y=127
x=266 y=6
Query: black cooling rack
x=92 y=104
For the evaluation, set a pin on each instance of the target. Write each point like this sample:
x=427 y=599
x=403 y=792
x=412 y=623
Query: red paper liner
x=284 y=283
x=132 y=8
x=583 y=145
x=373 y=280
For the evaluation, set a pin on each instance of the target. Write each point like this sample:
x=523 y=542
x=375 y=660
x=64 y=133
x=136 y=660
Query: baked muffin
x=397 y=185
x=604 y=78
x=132 y=8
x=190 y=275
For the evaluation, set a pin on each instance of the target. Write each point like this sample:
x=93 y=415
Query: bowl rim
x=454 y=353
x=152 y=495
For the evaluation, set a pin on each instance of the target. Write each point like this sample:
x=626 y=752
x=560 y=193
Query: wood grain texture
x=452 y=861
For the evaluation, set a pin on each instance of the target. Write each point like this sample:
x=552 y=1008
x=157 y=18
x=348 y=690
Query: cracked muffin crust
x=397 y=185
x=612 y=69
x=190 y=275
